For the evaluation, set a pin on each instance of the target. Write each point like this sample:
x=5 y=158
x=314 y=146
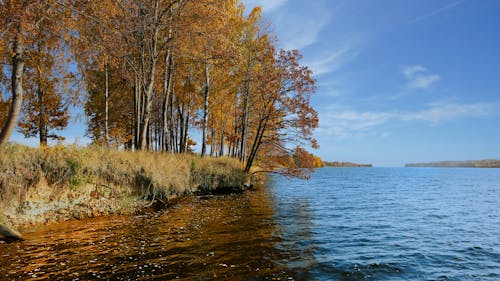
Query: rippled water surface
x=343 y=224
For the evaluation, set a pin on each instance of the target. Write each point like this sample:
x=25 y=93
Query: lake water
x=343 y=224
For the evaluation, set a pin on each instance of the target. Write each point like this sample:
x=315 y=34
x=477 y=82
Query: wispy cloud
x=333 y=61
x=340 y=122
x=419 y=77
x=440 y=112
x=435 y=12
x=345 y=123
x=299 y=27
x=331 y=88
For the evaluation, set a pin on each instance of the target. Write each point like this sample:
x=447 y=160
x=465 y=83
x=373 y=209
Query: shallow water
x=343 y=224
x=230 y=237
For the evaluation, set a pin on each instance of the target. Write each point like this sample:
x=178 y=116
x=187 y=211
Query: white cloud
x=441 y=112
x=412 y=70
x=419 y=78
x=346 y=123
x=424 y=82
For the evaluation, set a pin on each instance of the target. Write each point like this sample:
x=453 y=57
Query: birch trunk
x=205 y=109
x=17 y=90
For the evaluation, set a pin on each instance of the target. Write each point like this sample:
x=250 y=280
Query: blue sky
x=398 y=80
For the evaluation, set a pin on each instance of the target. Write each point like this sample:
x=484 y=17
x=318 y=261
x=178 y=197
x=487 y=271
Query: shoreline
x=44 y=185
x=486 y=163
x=13 y=224
x=338 y=164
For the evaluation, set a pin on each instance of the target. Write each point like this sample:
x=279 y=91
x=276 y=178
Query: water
x=396 y=224
x=343 y=224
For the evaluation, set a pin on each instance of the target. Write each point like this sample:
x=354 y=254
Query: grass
x=144 y=175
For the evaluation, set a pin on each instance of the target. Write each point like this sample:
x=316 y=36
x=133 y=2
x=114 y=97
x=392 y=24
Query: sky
x=399 y=81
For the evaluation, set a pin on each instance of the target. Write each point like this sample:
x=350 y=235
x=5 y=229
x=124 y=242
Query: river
x=343 y=224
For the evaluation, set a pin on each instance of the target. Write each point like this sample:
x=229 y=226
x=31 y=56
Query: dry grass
x=209 y=175
x=143 y=174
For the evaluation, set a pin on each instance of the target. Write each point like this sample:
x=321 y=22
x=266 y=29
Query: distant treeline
x=461 y=164
x=346 y=164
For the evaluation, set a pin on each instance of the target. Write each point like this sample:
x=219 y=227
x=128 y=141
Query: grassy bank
x=59 y=183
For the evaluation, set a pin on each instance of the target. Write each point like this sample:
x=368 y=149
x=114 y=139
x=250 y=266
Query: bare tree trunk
x=261 y=129
x=17 y=90
x=256 y=144
x=106 y=106
x=186 y=131
x=151 y=72
x=138 y=111
x=172 y=122
x=221 y=147
x=244 y=121
x=180 y=129
x=205 y=109
x=212 y=144
x=167 y=89
x=42 y=125
x=149 y=136
x=148 y=103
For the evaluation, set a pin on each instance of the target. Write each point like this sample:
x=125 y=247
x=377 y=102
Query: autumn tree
x=252 y=43
x=30 y=37
x=119 y=116
x=98 y=50
x=137 y=35
x=211 y=50
x=150 y=19
x=17 y=19
x=285 y=117
x=49 y=87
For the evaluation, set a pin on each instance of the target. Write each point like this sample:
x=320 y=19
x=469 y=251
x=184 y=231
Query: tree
x=284 y=116
x=210 y=51
x=27 y=25
x=120 y=109
x=16 y=14
x=134 y=34
x=48 y=81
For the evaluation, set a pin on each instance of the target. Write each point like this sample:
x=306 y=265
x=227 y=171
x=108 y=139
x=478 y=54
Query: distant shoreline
x=346 y=164
x=489 y=163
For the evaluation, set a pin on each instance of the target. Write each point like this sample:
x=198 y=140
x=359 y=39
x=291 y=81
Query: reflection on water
x=233 y=237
